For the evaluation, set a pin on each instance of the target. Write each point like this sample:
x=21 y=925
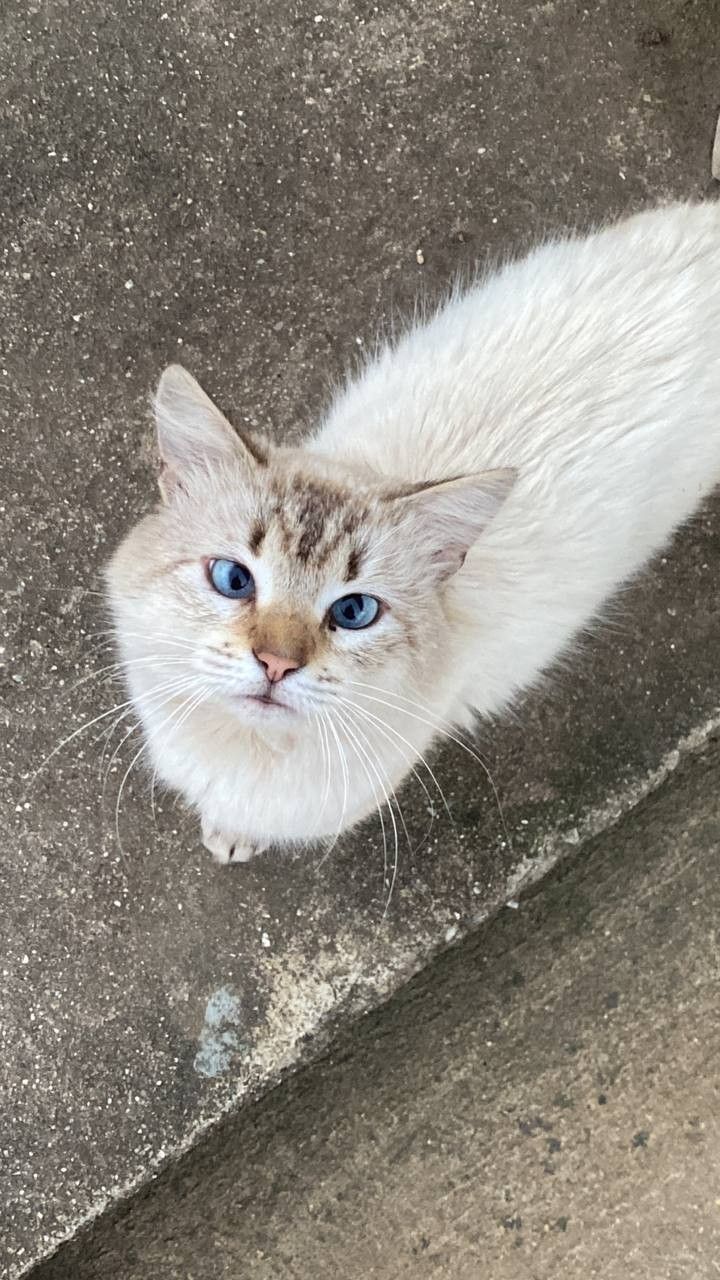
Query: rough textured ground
x=247 y=188
x=543 y=1102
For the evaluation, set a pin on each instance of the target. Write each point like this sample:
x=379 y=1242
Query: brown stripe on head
x=256 y=537
x=313 y=515
x=353 y=564
x=315 y=506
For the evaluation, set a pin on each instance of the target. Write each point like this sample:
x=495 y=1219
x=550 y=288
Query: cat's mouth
x=266 y=701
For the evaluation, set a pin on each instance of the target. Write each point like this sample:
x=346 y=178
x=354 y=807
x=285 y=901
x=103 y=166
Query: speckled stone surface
x=542 y=1101
x=248 y=190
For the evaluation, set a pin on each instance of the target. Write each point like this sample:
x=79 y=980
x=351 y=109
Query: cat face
x=273 y=582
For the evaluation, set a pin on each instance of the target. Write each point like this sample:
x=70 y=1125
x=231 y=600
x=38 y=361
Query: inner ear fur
x=192 y=431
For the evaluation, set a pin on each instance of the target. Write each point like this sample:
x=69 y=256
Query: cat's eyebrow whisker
x=355 y=746
x=437 y=728
x=373 y=559
x=380 y=542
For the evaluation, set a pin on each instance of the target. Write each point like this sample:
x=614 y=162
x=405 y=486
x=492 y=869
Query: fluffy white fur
x=578 y=389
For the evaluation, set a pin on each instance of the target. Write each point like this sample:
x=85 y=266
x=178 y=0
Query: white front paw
x=227 y=849
x=242 y=851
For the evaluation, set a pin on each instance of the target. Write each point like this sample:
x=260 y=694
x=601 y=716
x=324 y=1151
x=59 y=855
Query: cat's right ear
x=192 y=432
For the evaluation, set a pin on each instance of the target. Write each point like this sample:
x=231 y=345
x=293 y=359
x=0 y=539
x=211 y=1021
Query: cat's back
x=581 y=338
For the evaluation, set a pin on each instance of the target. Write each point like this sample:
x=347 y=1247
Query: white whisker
x=325 y=748
x=437 y=727
x=129 y=702
x=378 y=805
x=157 y=638
x=133 y=729
x=385 y=730
x=122 y=664
x=346 y=788
x=408 y=756
x=388 y=801
x=188 y=706
x=179 y=687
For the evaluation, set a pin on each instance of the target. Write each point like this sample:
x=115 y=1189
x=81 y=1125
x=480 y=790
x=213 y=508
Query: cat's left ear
x=192 y=432
x=451 y=514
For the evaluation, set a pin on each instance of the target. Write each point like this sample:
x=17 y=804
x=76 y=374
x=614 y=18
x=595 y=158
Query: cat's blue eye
x=231 y=579
x=354 y=612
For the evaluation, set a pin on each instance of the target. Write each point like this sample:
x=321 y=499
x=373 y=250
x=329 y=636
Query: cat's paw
x=227 y=850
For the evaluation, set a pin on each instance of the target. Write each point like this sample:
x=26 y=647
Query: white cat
x=298 y=624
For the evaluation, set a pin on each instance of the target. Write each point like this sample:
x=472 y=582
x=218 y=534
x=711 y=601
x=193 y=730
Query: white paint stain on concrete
x=219 y=1038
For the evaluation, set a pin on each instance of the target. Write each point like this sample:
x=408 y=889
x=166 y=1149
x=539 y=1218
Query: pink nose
x=275 y=666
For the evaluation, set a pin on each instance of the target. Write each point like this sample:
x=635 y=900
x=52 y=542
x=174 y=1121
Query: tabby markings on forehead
x=312 y=518
x=353 y=564
x=257 y=536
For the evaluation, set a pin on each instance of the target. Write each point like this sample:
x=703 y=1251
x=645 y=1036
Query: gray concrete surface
x=544 y=1101
x=247 y=189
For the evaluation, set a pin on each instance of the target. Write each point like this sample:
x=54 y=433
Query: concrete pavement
x=248 y=190
x=544 y=1101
